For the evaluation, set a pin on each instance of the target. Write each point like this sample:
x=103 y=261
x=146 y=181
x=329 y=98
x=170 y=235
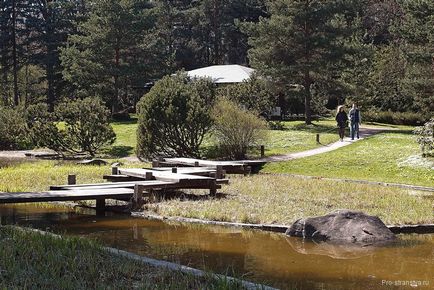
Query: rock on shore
x=342 y=226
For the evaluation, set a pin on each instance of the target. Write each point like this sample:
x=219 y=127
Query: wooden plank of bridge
x=120 y=178
x=110 y=185
x=162 y=175
x=65 y=195
x=183 y=180
x=203 y=163
x=202 y=171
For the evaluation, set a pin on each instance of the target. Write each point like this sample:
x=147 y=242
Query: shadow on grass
x=313 y=128
x=132 y=120
x=119 y=151
x=184 y=196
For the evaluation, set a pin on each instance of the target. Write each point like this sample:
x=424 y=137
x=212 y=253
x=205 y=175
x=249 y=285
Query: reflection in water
x=269 y=258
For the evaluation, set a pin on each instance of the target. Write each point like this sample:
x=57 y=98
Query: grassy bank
x=32 y=260
x=39 y=175
x=282 y=200
x=387 y=157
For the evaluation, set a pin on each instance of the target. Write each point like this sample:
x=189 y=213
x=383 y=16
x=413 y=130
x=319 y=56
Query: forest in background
x=315 y=54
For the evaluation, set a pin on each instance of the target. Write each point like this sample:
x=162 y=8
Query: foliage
x=253 y=94
x=393 y=70
x=378 y=53
x=397 y=118
x=84 y=127
x=108 y=56
x=302 y=42
x=236 y=129
x=425 y=137
x=13 y=129
x=276 y=125
x=174 y=116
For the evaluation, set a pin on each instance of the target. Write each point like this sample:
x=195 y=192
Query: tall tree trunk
x=50 y=83
x=116 y=81
x=5 y=82
x=51 y=57
x=14 y=53
x=307 y=98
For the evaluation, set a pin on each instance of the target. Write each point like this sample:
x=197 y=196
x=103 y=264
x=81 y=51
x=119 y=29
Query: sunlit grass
x=294 y=137
x=282 y=200
x=33 y=260
x=38 y=176
x=383 y=157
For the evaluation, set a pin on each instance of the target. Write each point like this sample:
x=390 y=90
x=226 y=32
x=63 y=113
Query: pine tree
x=110 y=54
x=301 y=43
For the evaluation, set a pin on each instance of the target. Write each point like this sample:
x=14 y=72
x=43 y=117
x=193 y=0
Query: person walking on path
x=355 y=121
x=341 y=119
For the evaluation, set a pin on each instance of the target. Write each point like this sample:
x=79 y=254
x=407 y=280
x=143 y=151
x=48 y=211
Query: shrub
x=174 y=117
x=14 y=133
x=79 y=126
x=236 y=129
x=253 y=95
x=397 y=118
x=425 y=137
x=276 y=125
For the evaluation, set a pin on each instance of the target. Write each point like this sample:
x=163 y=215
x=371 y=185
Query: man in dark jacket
x=355 y=121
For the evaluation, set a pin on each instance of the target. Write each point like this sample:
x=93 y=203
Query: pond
x=263 y=257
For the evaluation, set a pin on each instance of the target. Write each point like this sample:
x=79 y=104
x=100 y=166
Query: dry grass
x=282 y=200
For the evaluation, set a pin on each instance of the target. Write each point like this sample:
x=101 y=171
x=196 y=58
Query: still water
x=269 y=258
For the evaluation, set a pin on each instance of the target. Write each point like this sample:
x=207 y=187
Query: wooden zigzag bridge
x=135 y=184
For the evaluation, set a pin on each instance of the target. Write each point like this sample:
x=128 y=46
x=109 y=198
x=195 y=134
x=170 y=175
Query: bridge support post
x=115 y=170
x=100 y=206
x=213 y=188
x=137 y=200
x=72 y=179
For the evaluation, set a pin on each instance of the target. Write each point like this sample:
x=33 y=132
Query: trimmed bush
x=425 y=137
x=396 y=118
x=80 y=126
x=236 y=129
x=14 y=133
x=174 y=117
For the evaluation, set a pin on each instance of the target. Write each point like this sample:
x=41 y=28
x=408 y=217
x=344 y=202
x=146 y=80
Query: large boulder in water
x=342 y=226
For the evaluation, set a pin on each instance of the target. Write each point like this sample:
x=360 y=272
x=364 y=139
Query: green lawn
x=126 y=140
x=295 y=136
x=388 y=157
x=30 y=260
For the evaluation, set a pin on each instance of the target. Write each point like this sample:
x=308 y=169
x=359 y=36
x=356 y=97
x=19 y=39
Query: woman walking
x=341 y=119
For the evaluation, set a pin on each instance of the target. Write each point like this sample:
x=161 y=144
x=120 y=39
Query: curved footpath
x=364 y=133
